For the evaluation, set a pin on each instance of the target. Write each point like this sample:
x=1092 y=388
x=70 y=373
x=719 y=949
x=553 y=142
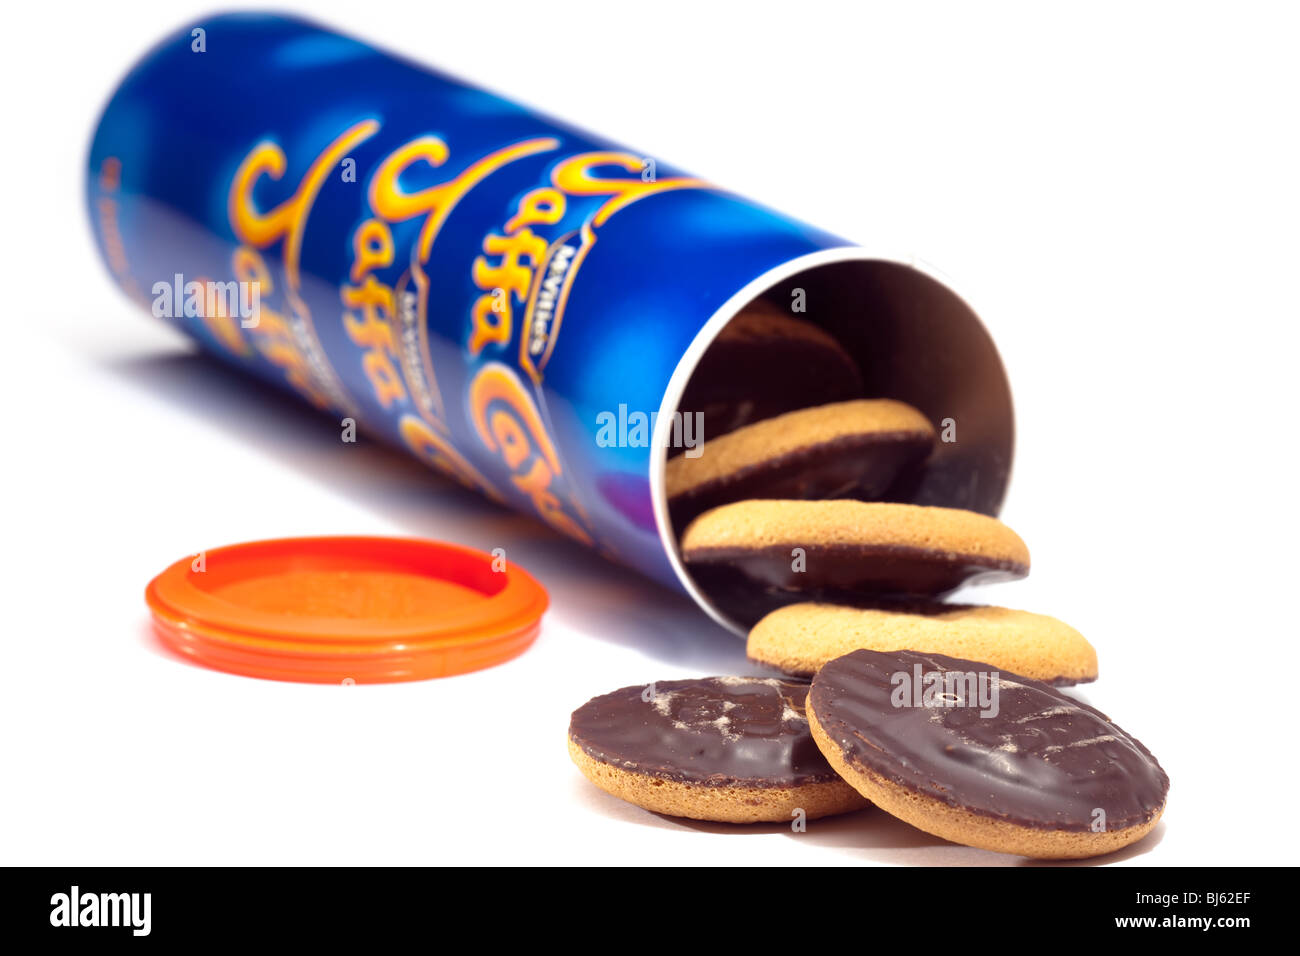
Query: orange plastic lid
x=346 y=609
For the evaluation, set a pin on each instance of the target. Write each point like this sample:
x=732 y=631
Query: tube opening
x=909 y=336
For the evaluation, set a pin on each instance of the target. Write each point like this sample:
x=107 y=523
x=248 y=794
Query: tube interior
x=914 y=340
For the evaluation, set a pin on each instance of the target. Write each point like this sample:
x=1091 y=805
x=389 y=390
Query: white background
x=1116 y=188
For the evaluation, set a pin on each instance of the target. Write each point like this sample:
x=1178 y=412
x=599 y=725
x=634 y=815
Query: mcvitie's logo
x=75 y=908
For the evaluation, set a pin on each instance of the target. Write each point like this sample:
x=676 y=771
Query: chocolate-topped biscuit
x=764 y=362
x=854 y=449
x=800 y=638
x=848 y=549
x=729 y=749
x=985 y=758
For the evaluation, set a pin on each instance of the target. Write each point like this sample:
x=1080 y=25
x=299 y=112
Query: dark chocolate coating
x=852 y=569
x=712 y=731
x=1045 y=761
x=745 y=380
x=853 y=466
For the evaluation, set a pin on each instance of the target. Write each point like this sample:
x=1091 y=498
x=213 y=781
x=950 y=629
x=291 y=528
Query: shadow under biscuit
x=875 y=836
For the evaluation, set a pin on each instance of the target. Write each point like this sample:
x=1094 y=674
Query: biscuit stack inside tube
x=798 y=523
x=795 y=519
